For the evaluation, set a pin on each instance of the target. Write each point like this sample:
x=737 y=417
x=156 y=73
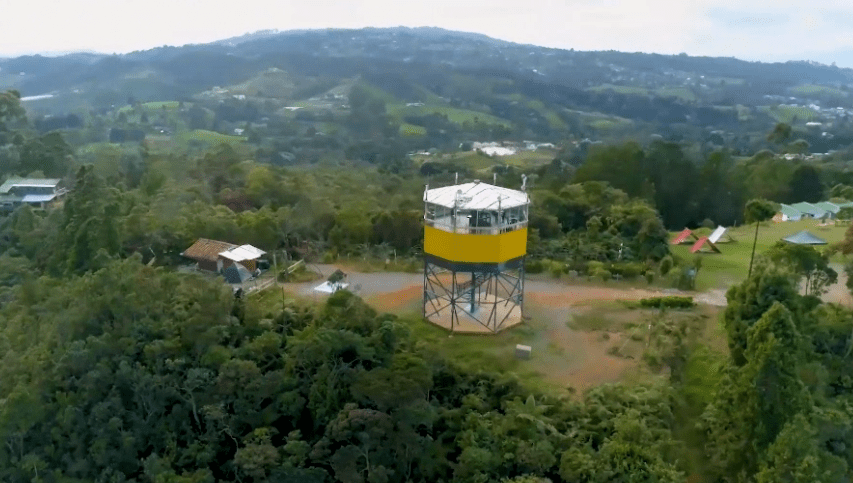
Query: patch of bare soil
x=562 y=355
x=591 y=365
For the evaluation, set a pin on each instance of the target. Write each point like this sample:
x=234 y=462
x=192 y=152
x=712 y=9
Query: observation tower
x=475 y=240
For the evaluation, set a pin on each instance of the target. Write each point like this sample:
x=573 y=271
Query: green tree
x=49 y=154
x=806 y=262
x=805 y=185
x=781 y=132
x=766 y=389
x=756 y=211
x=842 y=191
x=12 y=114
x=90 y=225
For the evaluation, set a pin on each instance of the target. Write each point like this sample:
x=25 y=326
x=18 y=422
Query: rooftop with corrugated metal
x=29 y=183
x=476 y=196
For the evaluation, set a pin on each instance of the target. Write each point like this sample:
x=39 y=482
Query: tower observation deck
x=475 y=241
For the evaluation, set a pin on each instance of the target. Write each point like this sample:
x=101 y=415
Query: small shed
x=809 y=210
x=787 y=213
x=804 y=238
x=206 y=253
x=830 y=208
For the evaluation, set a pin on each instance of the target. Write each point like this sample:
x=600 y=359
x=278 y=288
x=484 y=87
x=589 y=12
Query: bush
x=670 y=302
x=534 y=266
x=604 y=275
x=627 y=269
x=555 y=268
x=707 y=223
x=666 y=264
x=593 y=267
x=650 y=276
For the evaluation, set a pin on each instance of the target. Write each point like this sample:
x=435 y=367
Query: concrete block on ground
x=522 y=351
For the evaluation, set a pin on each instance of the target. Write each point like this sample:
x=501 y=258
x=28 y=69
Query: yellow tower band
x=475 y=248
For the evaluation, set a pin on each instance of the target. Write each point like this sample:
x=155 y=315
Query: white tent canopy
x=327 y=287
x=717 y=234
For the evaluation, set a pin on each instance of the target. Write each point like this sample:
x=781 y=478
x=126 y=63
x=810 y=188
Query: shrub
x=555 y=268
x=627 y=269
x=707 y=223
x=670 y=302
x=666 y=264
x=593 y=267
x=650 y=276
x=534 y=266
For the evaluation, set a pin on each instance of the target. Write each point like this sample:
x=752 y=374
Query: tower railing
x=475 y=230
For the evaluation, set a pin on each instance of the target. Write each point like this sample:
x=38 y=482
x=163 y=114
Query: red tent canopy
x=683 y=236
x=701 y=242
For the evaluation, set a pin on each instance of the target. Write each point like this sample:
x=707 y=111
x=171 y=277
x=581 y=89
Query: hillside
x=524 y=91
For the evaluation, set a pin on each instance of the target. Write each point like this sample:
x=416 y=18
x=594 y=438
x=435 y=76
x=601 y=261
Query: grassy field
x=597 y=120
x=714 y=81
x=811 y=90
x=788 y=113
x=481 y=162
x=210 y=137
x=453 y=114
x=639 y=91
x=731 y=266
x=407 y=129
x=679 y=92
x=155 y=106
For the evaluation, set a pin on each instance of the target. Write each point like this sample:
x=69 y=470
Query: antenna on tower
x=523 y=182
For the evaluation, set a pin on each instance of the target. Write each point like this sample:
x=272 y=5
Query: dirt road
x=564 y=356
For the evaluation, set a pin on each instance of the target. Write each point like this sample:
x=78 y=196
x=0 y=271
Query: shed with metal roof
x=809 y=210
x=804 y=238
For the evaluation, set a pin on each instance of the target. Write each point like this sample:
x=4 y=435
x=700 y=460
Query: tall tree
x=756 y=211
x=805 y=185
x=806 y=262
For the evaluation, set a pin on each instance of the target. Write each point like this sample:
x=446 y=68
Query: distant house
x=214 y=256
x=787 y=213
x=809 y=210
x=831 y=209
x=206 y=254
x=36 y=192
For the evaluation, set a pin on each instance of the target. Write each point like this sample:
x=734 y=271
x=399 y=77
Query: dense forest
x=117 y=366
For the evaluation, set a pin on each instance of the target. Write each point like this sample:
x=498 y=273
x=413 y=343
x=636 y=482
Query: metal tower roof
x=476 y=196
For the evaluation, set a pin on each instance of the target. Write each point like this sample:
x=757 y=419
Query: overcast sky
x=779 y=30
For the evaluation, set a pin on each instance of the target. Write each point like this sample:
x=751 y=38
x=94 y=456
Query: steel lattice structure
x=475 y=241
